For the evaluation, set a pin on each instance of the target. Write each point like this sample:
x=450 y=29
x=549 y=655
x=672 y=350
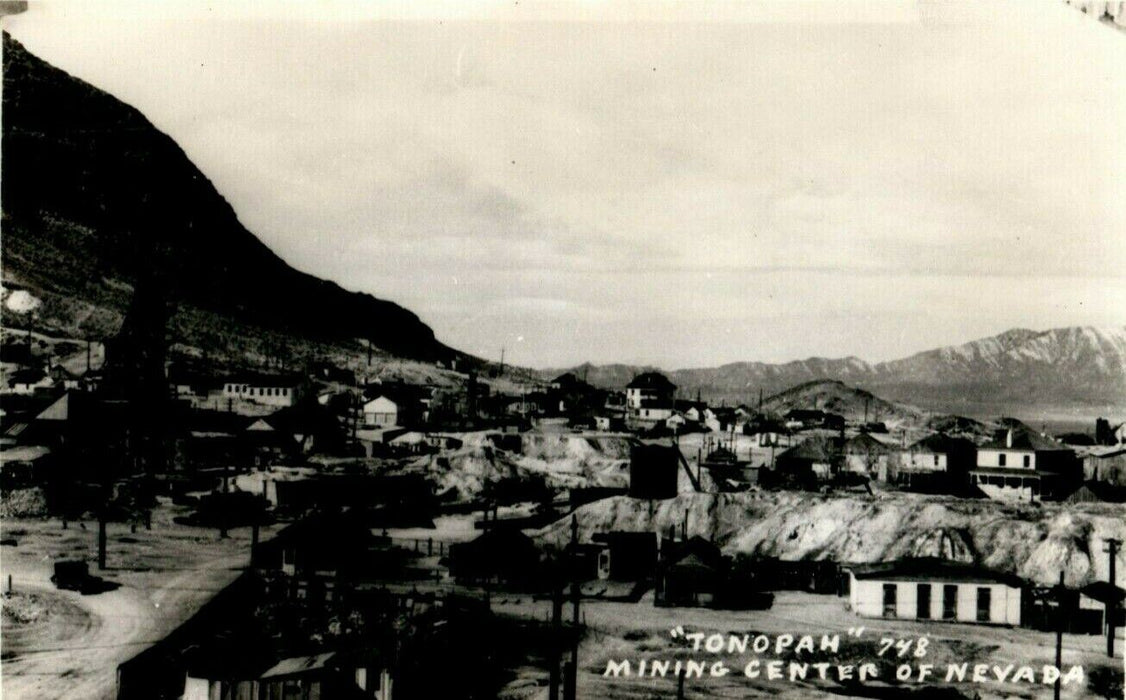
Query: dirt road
x=61 y=644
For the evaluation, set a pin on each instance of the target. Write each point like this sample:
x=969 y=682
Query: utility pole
x=1111 y=550
x=501 y=374
x=556 y=635
x=1059 y=591
x=570 y=680
x=102 y=538
x=574 y=570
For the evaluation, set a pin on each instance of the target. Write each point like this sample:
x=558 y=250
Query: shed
x=690 y=573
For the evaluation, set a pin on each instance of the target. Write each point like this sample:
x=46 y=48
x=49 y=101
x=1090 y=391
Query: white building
x=649 y=387
x=935 y=589
x=381 y=412
x=651 y=413
x=1024 y=466
x=269 y=390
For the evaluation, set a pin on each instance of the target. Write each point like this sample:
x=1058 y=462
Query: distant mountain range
x=1081 y=366
x=94 y=197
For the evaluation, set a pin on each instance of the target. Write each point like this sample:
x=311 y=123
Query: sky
x=668 y=183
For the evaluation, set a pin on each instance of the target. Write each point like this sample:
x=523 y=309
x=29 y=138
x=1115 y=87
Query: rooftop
x=934 y=569
x=1023 y=438
x=651 y=380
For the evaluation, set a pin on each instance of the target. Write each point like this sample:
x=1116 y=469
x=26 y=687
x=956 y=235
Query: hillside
x=837 y=397
x=1036 y=542
x=1082 y=366
x=93 y=194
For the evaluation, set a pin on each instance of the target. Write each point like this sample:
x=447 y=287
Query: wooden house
x=694 y=573
x=324 y=676
x=649 y=400
x=936 y=464
x=815 y=459
x=500 y=555
x=928 y=588
x=381 y=412
x=301 y=429
x=1025 y=466
x=689 y=573
x=1106 y=464
x=1094 y=600
x=864 y=454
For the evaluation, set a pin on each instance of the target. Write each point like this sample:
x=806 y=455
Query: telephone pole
x=1059 y=591
x=570 y=677
x=1111 y=549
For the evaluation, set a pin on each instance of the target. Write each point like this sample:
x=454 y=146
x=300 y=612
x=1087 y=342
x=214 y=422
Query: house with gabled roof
x=818 y=458
x=1023 y=465
x=650 y=386
x=649 y=400
x=864 y=454
x=937 y=463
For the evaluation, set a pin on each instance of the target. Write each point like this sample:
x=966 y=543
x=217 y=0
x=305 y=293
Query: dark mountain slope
x=92 y=192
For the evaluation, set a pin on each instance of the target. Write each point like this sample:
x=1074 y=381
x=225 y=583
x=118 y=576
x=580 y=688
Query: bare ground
x=61 y=644
x=618 y=631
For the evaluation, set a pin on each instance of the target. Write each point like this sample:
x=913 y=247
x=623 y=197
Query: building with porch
x=1024 y=466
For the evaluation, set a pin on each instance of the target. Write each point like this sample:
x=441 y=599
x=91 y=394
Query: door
x=923 y=601
x=890 y=596
x=949 y=602
x=984 y=604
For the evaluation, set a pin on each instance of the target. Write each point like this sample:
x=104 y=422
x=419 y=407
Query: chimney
x=1009 y=438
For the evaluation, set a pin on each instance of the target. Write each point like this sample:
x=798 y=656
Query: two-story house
x=1025 y=466
x=649 y=399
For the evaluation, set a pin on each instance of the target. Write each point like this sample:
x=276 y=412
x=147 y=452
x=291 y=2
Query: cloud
x=588 y=185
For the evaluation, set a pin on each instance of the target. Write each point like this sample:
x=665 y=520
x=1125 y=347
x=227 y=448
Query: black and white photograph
x=562 y=349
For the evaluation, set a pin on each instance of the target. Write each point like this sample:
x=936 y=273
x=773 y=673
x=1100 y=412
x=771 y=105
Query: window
x=936 y=460
x=1000 y=460
x=923 y=601
x=1028 y=460
x=984 y=603
x=949 y=602
x=889 y=599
